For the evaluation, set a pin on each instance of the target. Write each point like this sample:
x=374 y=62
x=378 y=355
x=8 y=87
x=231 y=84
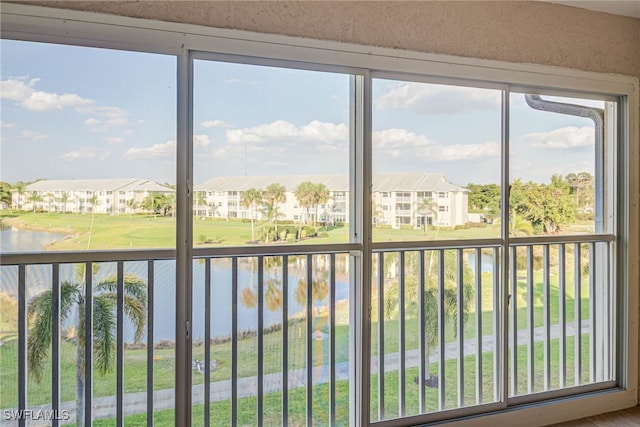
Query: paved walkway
x=135 y=403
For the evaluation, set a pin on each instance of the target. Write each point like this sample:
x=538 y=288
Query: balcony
x=439 y=341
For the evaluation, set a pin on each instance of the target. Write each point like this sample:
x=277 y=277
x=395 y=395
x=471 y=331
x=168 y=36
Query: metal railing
x=560 y=322
x=437 y=325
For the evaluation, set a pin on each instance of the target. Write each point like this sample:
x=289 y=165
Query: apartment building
x=398 y=199
x=105 y=196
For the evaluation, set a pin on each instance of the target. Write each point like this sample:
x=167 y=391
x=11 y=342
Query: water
x=38 y=279
x=14 y=240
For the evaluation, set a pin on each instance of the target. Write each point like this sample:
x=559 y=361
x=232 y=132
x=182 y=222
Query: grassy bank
x=143 y=231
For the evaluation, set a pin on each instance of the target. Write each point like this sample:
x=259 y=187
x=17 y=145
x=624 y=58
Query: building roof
x=114 y=184
x=381 y=182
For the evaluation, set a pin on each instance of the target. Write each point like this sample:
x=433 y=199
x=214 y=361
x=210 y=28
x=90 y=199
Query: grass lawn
x=220 y=413
x=144 y=231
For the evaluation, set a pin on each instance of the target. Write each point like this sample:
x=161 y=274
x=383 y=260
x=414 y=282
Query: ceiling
x=616 y=7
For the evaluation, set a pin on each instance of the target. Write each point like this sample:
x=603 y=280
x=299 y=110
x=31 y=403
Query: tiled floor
x=626 y=418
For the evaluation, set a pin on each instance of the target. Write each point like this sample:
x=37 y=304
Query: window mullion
x=503 y=329
x=184 y=233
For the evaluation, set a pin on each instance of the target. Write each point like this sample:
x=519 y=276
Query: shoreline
x=21 y=225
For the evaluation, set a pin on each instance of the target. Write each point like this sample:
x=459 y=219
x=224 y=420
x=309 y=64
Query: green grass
x=144 y=231
x=220 y=413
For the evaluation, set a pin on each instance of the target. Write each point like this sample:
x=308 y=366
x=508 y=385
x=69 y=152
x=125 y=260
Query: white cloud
x=6 y=125
x=397 y=142
x=563 y=138
x=283 y=131
x=437 y=99
x=166 y=149
x=216 y=124
x=33 y=135
x=86 y=153
x=201 y=141
x=463 y=151
x=111 y=116
x=114 y=140
x=394 y=140
x=36 y=100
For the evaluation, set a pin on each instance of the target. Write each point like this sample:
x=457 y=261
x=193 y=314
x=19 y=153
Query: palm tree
x=200 y=200
x=131 y=206
x=431 y=297
x=249 y=199
x=320 y=196
x=72 y=297
x=63 y=201
x=304 y=193
x=50 y=198
x=274 y=194
x=152 y=202
x=94 y=202
x=19 y=188
x=427 y=206
x=33 y=198
x=377 y=214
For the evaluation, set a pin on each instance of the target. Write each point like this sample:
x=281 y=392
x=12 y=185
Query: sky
x=73 y=112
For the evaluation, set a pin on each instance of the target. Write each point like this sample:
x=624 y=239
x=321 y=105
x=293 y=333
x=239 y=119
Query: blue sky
x=71 y=112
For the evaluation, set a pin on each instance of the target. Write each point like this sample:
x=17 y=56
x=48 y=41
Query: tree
x=33 y=198
x=131 y=206
x=72 y=298
x=200 y=200
x=19 y=188
x=250 y=199
x=320 y=197
x=274 y=194
x=152 y=202
x=5 y=193
x=377 y=214
x=50 y=199
x=304 y=193
x=64 y=198
x=581 y=185
x=484 y=198
x=94 y=202
x=545 y=206
x=427 y=206
x=431 y=293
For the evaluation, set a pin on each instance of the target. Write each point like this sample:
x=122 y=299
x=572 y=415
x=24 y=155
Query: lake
x=39 y=278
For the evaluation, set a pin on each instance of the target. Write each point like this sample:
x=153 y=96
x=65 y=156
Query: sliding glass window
x=272 y=173
x=88 y=174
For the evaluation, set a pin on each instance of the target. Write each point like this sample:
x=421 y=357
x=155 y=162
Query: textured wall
x=520 y=31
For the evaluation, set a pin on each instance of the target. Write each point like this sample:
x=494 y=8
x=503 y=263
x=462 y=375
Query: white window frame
x=32 y=23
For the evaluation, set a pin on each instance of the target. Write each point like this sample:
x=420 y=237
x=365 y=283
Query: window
x=481 y=301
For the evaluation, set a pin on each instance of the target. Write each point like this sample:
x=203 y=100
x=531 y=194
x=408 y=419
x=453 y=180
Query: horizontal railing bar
x=435 y=244
x=443 y=415
x=561 y=392
x=570 y=238
x=47 y=257
x=275 y=250
x=61 y=257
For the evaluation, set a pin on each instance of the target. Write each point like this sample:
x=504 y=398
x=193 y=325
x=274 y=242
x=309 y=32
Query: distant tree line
x=536 y=206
